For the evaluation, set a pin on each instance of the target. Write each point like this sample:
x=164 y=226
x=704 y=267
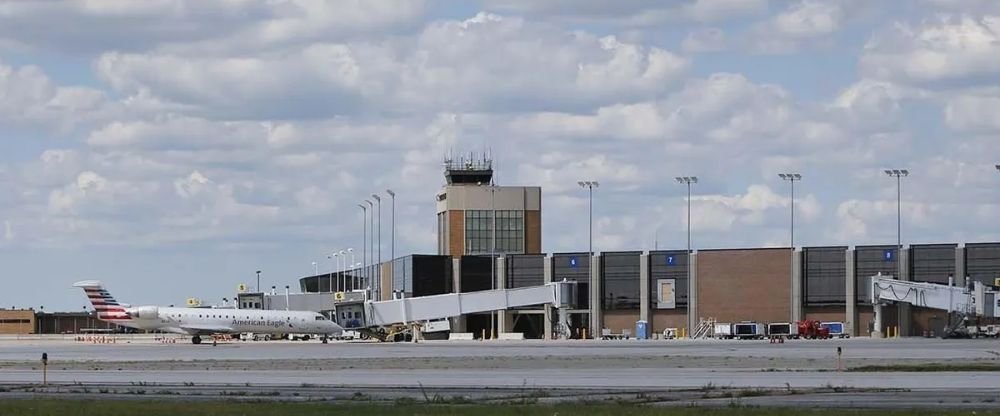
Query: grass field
x=222 y=408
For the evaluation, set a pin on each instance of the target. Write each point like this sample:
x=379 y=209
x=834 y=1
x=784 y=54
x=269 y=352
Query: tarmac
x=795 y=373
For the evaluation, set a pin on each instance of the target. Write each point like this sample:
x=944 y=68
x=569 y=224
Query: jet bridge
x=961 y=302
x=383 y=319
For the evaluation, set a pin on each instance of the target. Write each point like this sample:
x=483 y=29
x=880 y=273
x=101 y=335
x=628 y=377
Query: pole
x=590 y=237
x=792 y=239
x=493 y=255
x=371 y=254
x=899 y=227
x=286 y=298
x=364 y=237
x=392 y=250
x=258 y=282
x=378 y=268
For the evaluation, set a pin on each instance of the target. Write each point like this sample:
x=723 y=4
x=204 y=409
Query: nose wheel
x=196 y=340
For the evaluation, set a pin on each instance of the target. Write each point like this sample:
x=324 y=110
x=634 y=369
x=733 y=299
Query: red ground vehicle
x=813 y=330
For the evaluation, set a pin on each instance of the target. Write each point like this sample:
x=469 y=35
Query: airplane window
x=320 y=318
x=199 y=315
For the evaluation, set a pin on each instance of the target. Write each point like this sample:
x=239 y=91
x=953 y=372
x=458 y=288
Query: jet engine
x=144 y=312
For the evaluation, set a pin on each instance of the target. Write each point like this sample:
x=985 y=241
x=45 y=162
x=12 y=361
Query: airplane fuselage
x=193 y=321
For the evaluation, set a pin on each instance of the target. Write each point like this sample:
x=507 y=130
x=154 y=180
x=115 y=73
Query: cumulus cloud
x=804 y=22
x=487 y=62
x=8 y=231
x=633 y=12
x=723 y=107
x=724 y=212
x=28 y=96
x=945 y=51
x=87 y=26
x=705 y=40
x=973 y=113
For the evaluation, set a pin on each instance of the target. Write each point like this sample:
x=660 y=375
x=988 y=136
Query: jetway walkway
x=381 y=319
x=961 y=302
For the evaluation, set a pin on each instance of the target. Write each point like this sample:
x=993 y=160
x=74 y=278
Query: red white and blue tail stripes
x=106 y=306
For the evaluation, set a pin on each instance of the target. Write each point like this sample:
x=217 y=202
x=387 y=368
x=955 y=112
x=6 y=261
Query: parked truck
x=810 y=329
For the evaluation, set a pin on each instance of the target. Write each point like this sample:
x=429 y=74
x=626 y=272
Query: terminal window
x=479 y=231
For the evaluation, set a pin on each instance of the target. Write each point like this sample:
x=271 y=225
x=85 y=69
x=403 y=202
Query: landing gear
x=325 y=339
x=196 y=340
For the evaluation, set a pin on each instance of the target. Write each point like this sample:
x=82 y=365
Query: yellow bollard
x=584 y=334
x=484 y=335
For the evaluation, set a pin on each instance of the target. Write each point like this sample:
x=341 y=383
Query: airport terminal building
x=666 y=288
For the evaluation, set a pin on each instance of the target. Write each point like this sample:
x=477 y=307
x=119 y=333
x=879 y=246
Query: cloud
x=801 y=23
x=633 y=12
x=723 y=107
x=973 y=113
x=8 y=231
x=946 y=51
x=721 y=212
x=29 y=97
x=705 y=40
x=485 y=63
x=90 y=26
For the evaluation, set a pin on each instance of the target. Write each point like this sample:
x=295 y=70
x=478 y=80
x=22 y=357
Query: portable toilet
x=642 y=330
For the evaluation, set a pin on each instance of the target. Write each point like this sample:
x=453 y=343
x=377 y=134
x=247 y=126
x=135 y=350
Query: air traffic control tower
x=470 y=204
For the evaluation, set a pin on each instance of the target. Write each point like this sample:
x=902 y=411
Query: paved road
x=483 y=368
x=918 y=348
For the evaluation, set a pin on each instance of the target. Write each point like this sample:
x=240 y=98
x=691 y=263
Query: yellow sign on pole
x=338 y=296
x=242 y=287
x=996 y=282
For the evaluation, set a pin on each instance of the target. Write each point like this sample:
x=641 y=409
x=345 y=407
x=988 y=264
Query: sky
x=171 y=148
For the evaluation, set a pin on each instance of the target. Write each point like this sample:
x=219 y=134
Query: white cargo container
x=749 y=330
x=723 y=331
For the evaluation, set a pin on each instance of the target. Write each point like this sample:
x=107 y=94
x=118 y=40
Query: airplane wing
x=195 y=329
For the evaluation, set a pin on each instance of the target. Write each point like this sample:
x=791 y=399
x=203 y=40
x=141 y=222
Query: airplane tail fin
x=106 y=306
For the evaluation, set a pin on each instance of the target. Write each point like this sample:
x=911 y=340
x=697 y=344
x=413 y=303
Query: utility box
x=642 y=329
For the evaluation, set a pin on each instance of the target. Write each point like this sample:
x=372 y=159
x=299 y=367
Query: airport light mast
x=364 y=238
x=590 y=185
x=378 y=269
x=898 y=174
x=687 y=181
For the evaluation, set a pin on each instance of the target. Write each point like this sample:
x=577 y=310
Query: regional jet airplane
x=197 y=322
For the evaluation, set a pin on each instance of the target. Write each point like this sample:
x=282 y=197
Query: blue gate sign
x=572 y=261
x=887 y=255
x=671 y=260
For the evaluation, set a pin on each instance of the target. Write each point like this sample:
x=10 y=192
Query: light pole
x=791 y=178
x=333 y=269
x=392 y=247
x=343 y=265
x=898 y=174
x=351 y=252
x=258 y=282
x=687 y=181
x=315 y=269
x=378 y=271
x=590 y=185
x=493 y=253
x=371 y=241
x=364 y=234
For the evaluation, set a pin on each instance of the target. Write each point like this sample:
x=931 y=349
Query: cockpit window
x=320 y=318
